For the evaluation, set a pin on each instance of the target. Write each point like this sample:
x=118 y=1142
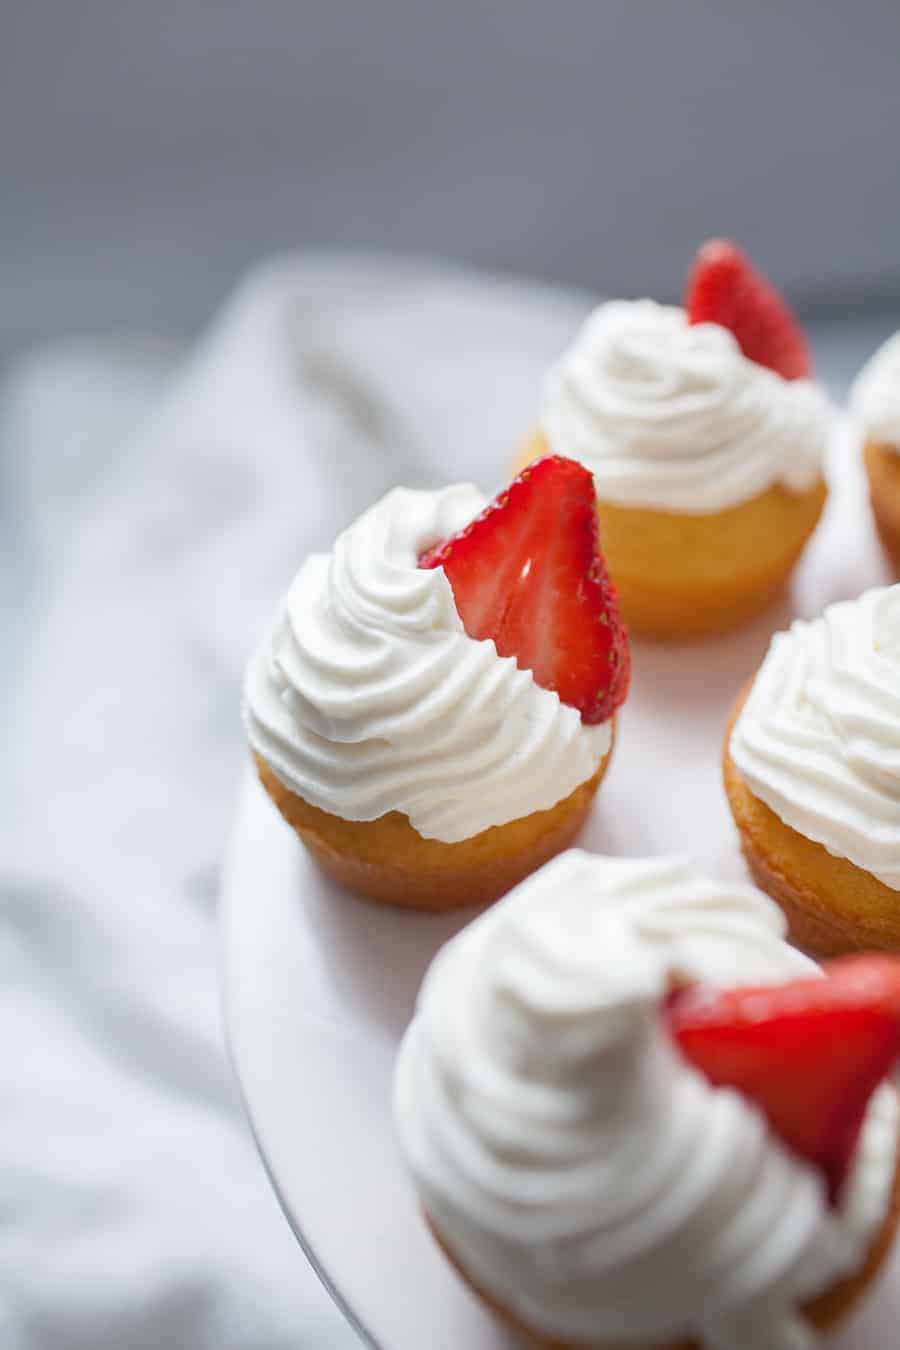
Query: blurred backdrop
x=151 y=152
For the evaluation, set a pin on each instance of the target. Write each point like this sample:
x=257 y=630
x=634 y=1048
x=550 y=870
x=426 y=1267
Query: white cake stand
x=319 y=986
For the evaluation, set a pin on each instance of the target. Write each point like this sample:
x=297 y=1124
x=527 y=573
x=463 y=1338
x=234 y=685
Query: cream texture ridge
x=875 y=396
x=367 y=696
x=818 y=739
x=671 y=416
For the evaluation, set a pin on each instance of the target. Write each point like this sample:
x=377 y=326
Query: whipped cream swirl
x=672 y=416
x=818 y=739
x=583 y=1172
x=368 y=696
x=875 y=395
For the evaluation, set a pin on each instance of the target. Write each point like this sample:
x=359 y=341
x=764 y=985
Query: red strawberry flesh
x=724 y=287
x=809 y=1053
x=528 y=574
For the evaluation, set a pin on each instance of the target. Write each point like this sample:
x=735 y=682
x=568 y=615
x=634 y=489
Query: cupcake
x=705 y=434
x=812 y=772
x=432 y=710
x=636 y=1117
x=875 y=403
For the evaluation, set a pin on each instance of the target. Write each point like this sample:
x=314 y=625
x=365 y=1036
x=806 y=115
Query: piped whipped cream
x=368 y=696
x=672 y=416
x=875 y=395
x=818 y=739
x=574 y=1163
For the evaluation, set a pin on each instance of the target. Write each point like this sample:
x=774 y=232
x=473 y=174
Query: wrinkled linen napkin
x=154 y=512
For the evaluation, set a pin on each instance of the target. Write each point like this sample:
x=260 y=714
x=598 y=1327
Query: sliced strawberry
x=528 y=573
x=809 y=1053
x=724 y=287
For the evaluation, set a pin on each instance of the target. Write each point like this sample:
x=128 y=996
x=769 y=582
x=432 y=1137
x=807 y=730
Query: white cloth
x=134 y=1211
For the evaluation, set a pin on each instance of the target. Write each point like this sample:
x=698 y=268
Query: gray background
x=150 y=152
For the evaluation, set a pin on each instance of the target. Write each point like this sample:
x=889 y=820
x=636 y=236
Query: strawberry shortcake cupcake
x=635 y=1117
x=705 y=433
x=812 y=772
x=432 y=709
x=875 y=404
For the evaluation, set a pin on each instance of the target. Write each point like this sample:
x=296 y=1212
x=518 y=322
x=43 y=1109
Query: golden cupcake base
x=883 y=471
x=389 y=861
x=824 y=1312
x=682 y=576
x=832 y=906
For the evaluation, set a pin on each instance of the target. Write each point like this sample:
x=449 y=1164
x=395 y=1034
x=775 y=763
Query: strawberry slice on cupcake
x=809 y=1053
x=705 y=433
x=724 y=287
x=528 y=573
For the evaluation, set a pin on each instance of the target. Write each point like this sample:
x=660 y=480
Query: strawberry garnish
x=809 y=1053
x=724 y=287
x=528 y=574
